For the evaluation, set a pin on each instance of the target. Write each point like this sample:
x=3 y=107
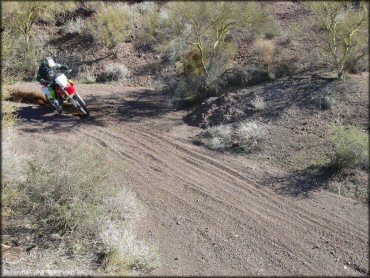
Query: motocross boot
x=57 y=106
x=55 y=99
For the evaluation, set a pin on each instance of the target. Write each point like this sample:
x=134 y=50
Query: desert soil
x=208 y=213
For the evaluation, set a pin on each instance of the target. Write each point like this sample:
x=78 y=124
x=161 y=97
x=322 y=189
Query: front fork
x=71 y=99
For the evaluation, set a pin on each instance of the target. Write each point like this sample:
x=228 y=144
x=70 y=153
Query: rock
x=5 y=247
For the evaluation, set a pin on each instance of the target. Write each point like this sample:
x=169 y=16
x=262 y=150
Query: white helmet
x=49 y=62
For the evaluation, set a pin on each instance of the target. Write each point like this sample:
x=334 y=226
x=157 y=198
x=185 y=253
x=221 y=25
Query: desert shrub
x=113 y=72
x=66 y=190
x=111 y=25
x=64 y=193
x=269 y=59
x=199 y=44
x=351 y=147
x=21 y=16
x=76 y=26
x=344 y=34
x=265 y=47
x=23 y=60
x=22 y=50
x=142 y=8
x=126 y=253
x=243 y=137
x=258 y=103
x=93 y=6
x=219 y=137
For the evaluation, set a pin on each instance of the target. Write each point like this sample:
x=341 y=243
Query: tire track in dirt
x=273 y=208
x=233 y=175
x=209 y=216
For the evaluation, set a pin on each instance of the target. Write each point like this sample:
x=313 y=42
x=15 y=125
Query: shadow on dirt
x=133 y=106
x=304 y=91
x=104 y=110
x=300 y=183
x=39 y=118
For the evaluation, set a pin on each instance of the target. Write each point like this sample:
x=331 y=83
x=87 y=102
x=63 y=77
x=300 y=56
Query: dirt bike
x=66 y=92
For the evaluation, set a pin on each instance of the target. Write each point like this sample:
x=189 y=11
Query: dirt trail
x=209 y=213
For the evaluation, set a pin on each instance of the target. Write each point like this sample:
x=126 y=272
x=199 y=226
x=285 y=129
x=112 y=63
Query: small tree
x=21 y=48
x=111 y=25
x=344 y=31
x=19 y=17
x=200 y=37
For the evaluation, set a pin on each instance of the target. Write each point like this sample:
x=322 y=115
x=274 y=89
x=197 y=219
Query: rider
x=46 y=75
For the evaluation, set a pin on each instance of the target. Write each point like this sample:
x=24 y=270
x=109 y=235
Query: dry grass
x=8 y=116
x=66 y=192
x=8 y=109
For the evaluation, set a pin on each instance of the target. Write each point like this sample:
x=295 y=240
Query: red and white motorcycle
x=67 y=92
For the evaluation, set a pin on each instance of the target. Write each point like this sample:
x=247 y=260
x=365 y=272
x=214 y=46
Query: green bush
x=351 y=147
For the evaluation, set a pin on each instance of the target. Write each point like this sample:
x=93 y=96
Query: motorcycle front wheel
x=81 y=104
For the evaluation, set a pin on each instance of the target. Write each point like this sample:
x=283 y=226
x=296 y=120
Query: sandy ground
x=209 y=213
